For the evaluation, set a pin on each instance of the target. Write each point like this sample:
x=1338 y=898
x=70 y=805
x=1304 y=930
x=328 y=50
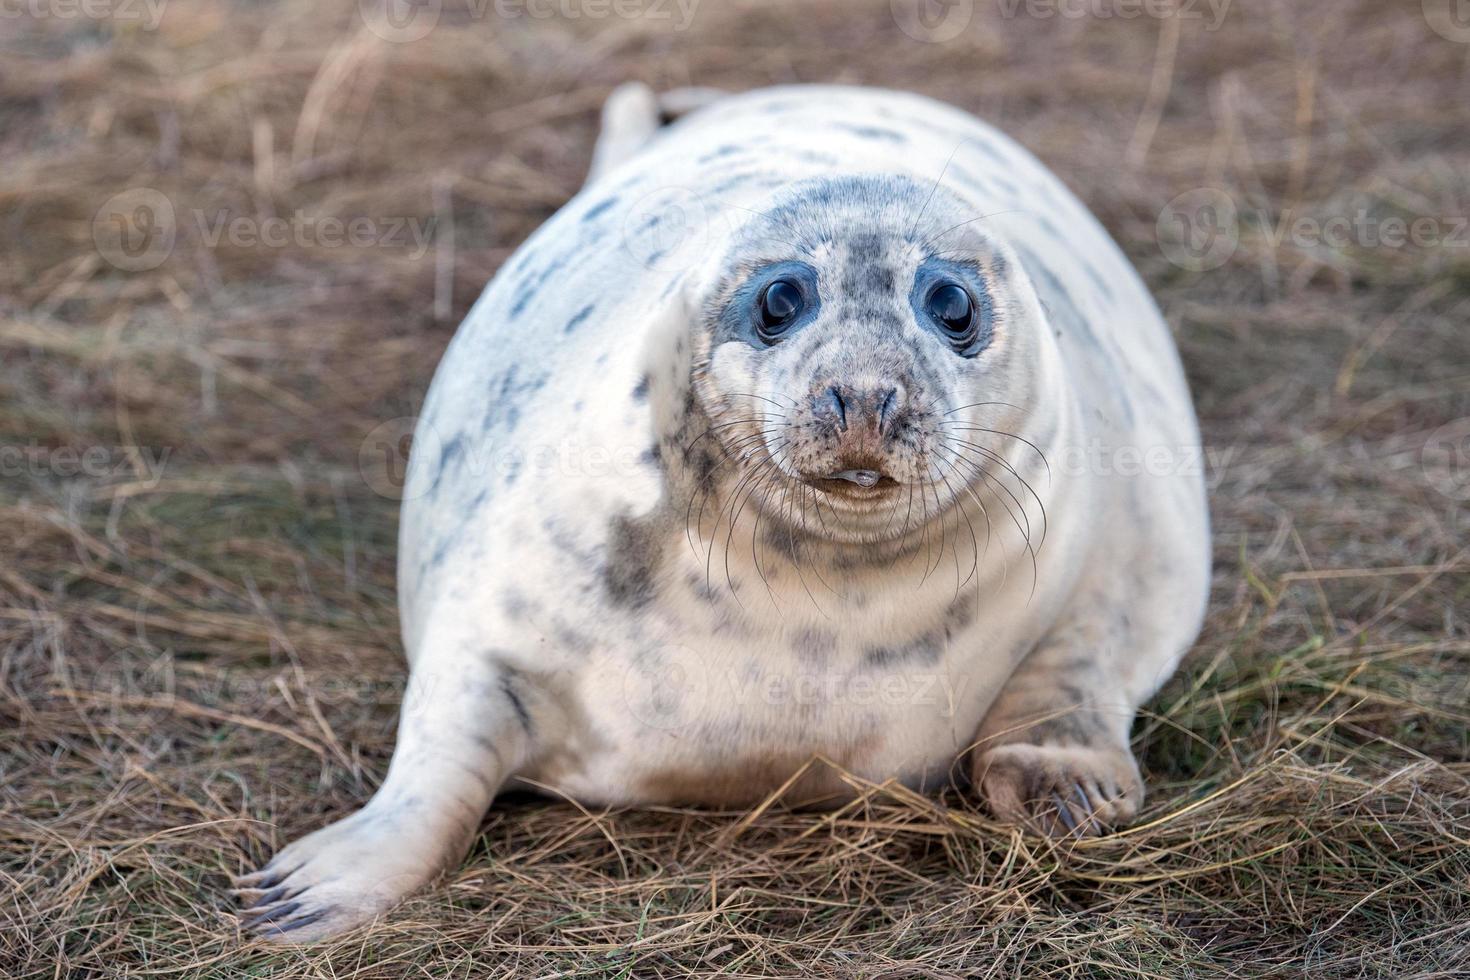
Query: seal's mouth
x=863 y=478
x=860 y=484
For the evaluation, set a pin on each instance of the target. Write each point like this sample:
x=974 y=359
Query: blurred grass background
x=198 y=649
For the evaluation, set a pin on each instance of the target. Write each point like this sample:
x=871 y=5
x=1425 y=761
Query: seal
x=823 y=439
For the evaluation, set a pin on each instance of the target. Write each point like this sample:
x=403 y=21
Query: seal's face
x=861 y=329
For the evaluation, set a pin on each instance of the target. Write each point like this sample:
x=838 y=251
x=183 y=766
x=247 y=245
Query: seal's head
x=862 y=330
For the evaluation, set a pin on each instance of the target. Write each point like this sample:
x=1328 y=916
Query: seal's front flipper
x=462 y=733
x=1060 y=790
x=1053 y=753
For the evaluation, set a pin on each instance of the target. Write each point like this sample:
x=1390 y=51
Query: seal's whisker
x=805 y=491
x=929 y=242
x=907 y=514
x=968 y=427
x=1025 y=531
x=715 y=427
x=741 y=495
x=787 y=483
x=942 y=512
x=892 y=512
x=773 y=473
x=927 y=544
x=989 y=532
x=707 y=486
x=956 y=411
x=751 y=394
x=804 y=249
x=937 y=181
x=710 y=552
x=943 y=533
x=964 y=446
x=974 y=542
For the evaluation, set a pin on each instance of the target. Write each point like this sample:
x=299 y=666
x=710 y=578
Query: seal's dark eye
x=951 y=307
x=780 y=304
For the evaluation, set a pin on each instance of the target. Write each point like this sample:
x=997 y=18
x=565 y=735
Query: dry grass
x=199 y=661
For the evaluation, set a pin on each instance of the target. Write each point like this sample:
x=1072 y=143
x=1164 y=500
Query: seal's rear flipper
x=633 y=113
x=630 y=117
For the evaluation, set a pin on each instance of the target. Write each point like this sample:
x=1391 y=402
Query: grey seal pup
x=823 y=439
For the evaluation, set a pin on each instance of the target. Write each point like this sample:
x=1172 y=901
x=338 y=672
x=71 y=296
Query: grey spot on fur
x=633 y=554
x=720 y=152
x=515 y=605
x=511 y=683
x=873 y=132
x=733 y=181
x=571 y=640
x=565 y=541
x=599 y=208
x=925 y=650
x=449 y=457
x=815 y=644
x=783 y=542
x=527 y=290
x=702 y=589
x=579 y=317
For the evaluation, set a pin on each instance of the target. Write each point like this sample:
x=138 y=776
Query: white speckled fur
x=570 y=621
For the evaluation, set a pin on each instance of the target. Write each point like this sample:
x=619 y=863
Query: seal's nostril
x=886 y=408
x=837 y=405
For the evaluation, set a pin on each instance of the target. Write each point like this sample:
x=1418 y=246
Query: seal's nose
x=867 y=409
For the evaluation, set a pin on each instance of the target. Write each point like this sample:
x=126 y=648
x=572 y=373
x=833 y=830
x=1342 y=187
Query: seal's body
x=825 y=438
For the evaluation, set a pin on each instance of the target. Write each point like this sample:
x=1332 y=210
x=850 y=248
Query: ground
x=198 y=650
